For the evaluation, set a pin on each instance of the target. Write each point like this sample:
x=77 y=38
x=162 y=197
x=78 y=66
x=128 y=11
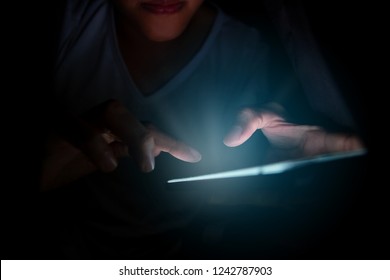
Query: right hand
x=85 y=145
x=288 y=139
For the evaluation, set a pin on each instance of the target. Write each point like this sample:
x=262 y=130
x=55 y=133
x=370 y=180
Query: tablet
x=271 y=168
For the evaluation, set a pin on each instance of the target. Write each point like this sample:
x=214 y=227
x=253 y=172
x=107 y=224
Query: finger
x=338 y=142
x=84 y=165
x=322 y=142
x=89 y=140
x=69 y=164
x=132 y=133
x=246 y=124
x=174 y=147
x=99 y=151
x=119 y=149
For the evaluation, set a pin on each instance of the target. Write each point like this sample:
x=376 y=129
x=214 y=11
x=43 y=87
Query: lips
x=163 y=7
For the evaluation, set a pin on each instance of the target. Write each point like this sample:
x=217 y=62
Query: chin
x=160 y=36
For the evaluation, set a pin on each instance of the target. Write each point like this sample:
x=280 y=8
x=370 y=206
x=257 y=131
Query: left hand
x=302 y=140
x=96 y=141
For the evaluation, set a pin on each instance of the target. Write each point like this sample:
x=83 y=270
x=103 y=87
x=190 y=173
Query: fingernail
x=195 y=154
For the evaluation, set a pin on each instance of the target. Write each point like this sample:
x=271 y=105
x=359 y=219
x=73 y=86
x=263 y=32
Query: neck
x=151 y=63
x=197 y=29
x=134 y=39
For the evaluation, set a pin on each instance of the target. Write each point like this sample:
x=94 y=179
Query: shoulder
x=77 y=13
x=83 y=7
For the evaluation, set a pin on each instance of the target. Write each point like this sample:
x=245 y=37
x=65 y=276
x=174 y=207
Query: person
x=136 y=80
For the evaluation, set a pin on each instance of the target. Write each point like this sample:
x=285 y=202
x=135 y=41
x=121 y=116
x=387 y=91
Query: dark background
x=347 y=211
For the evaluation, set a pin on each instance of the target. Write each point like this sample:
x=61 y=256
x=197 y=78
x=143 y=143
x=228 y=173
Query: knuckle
x=247 y=114
x=109 y=137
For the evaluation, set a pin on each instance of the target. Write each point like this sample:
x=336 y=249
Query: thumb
x=246 y=124
x=248 y=121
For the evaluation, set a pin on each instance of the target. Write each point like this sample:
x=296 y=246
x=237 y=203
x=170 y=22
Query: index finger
x=174 y=147
x=123 y=124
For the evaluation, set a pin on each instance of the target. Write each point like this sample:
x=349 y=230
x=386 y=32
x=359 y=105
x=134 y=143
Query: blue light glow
x=273 y=168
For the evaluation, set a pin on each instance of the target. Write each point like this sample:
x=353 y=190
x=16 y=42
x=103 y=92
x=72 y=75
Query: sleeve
x=256 y=85
x=318 y=81
x=247 y=65
x=75 y=15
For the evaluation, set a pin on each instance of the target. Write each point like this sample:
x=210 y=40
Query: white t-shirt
x=196 y=106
